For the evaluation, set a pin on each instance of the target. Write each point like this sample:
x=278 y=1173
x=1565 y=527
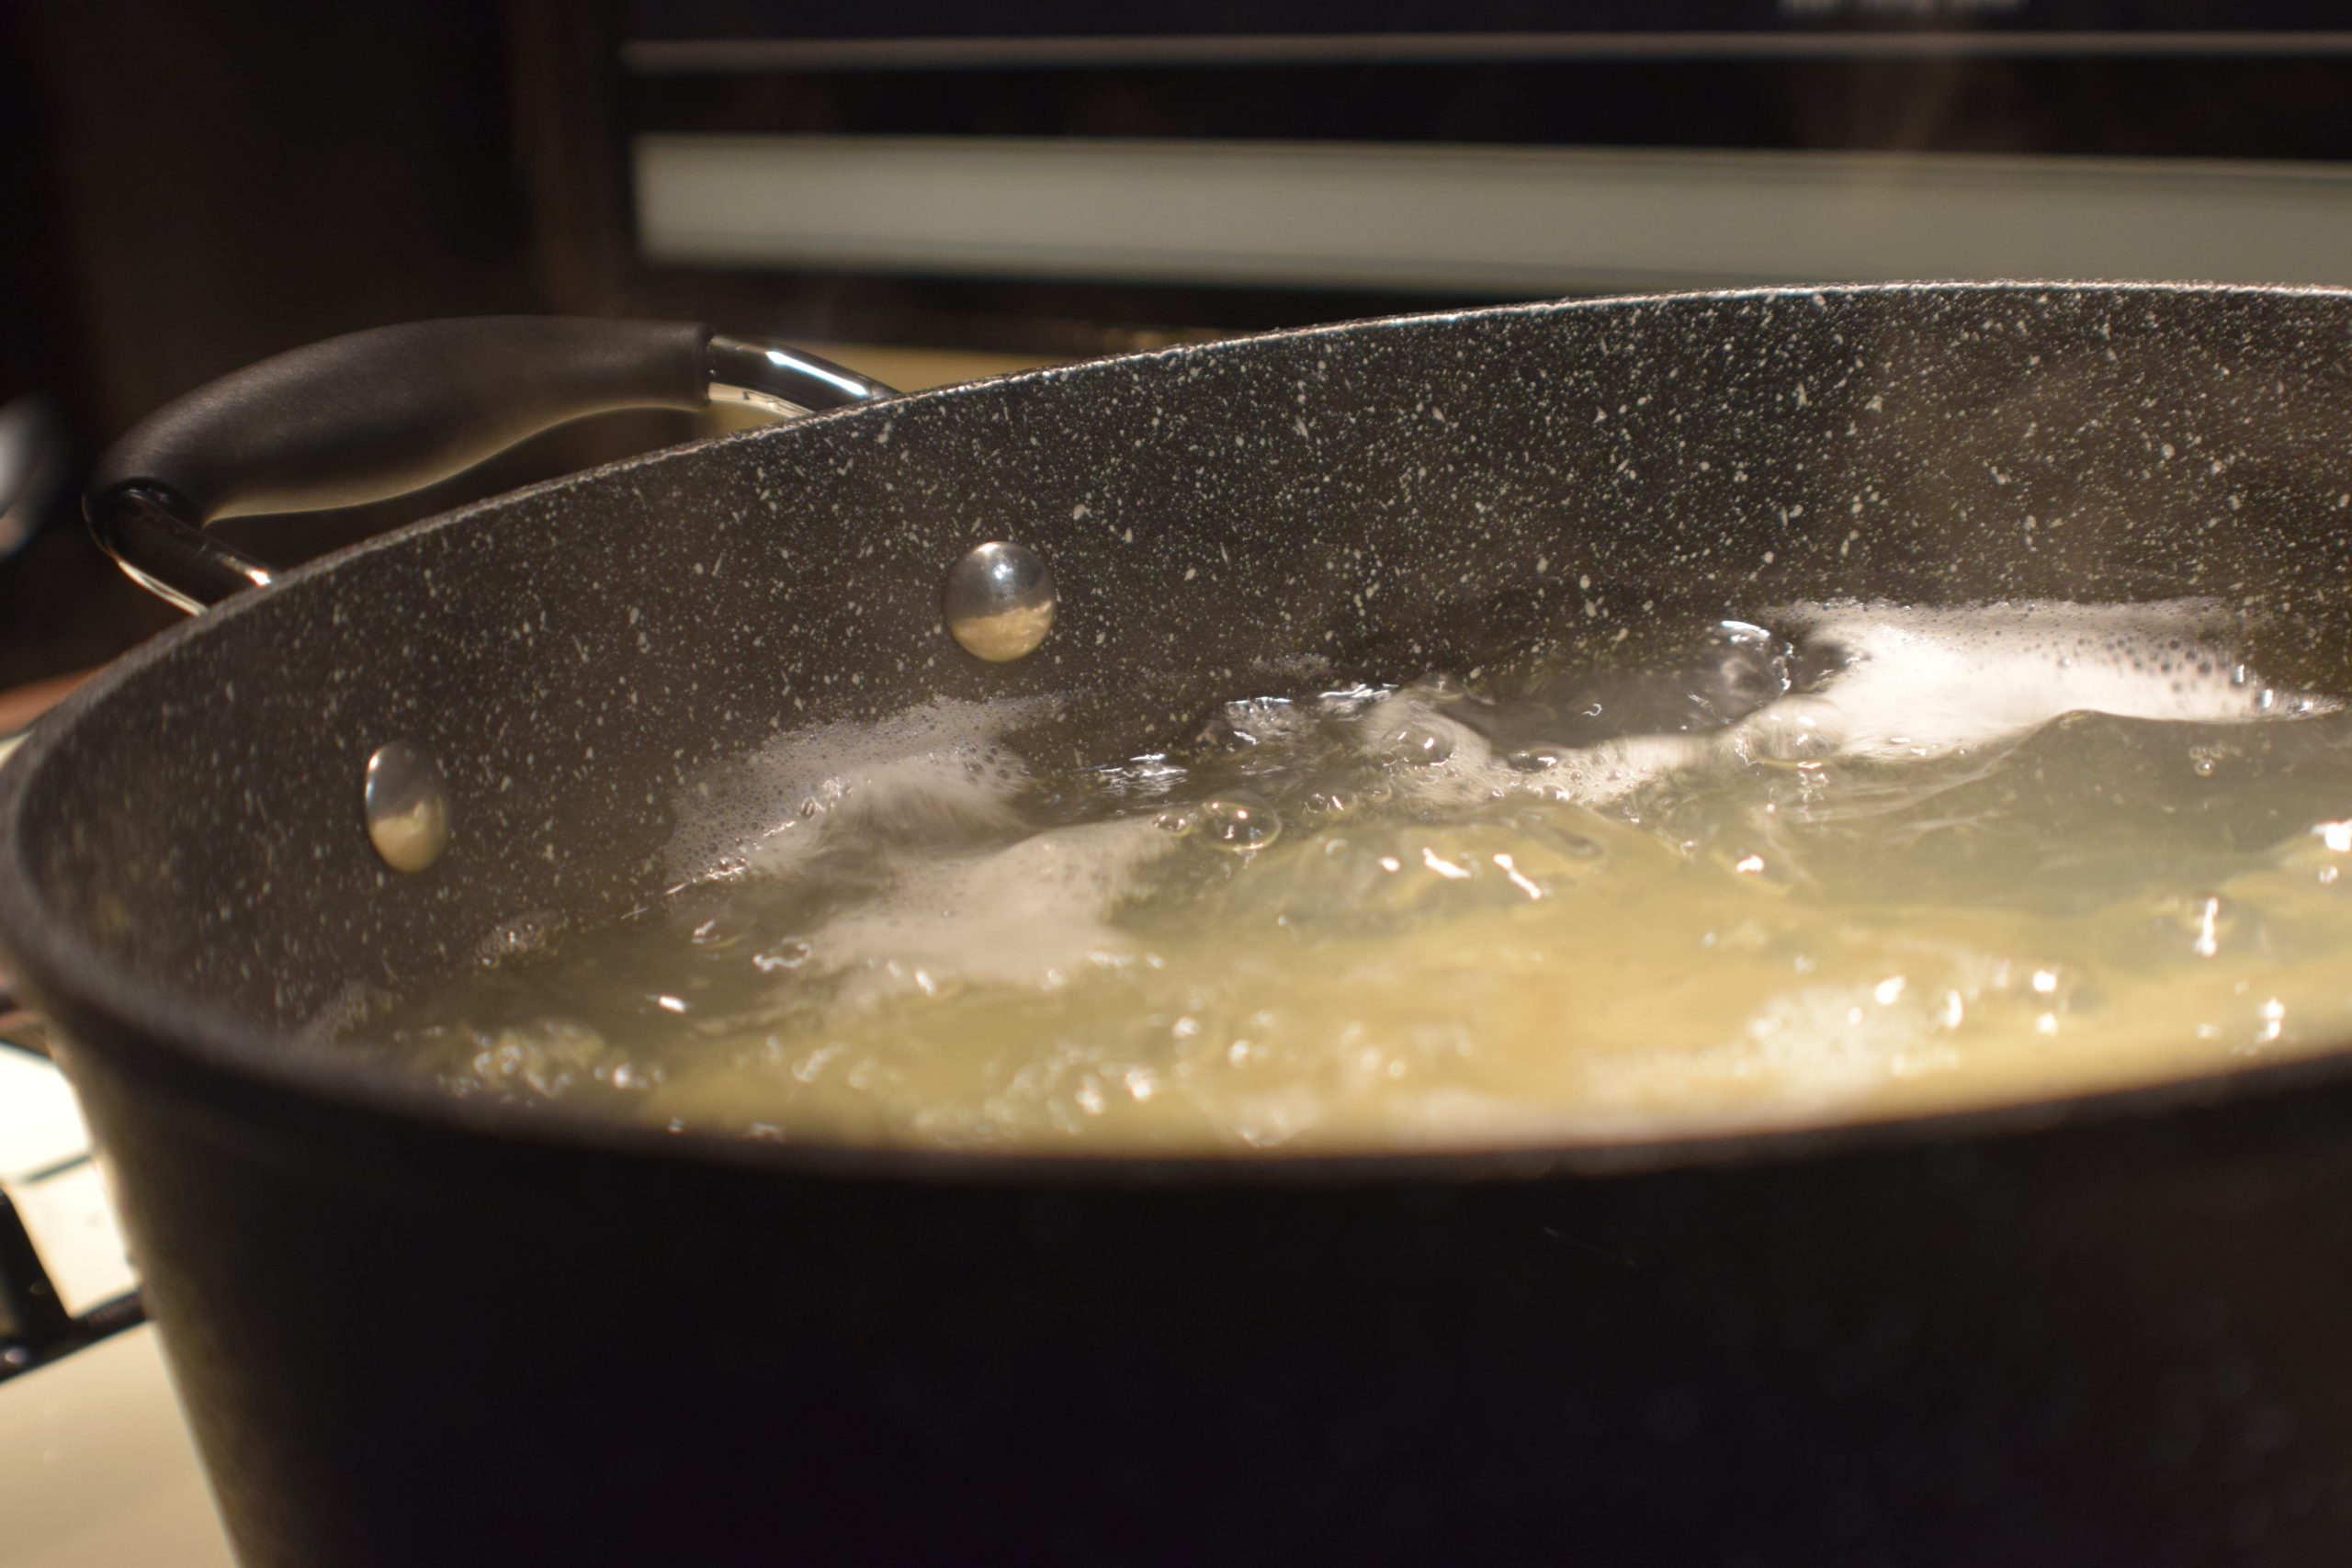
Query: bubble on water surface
x=2208 y=921
x=1239 y=821
x=1417 y=744
x=517 y=937
x=1323 y=806
x=782 y=958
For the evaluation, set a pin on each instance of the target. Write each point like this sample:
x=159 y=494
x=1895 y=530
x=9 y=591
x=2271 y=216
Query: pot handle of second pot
x=381 y=412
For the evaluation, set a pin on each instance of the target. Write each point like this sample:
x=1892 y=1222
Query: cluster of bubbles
x=1239 y=821
x=1264 y=766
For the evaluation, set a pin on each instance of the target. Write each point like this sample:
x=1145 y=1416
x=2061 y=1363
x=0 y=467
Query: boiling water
x=1852 y=860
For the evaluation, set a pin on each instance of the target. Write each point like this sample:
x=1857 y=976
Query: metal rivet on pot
x=407 y=803
x=1000 y=601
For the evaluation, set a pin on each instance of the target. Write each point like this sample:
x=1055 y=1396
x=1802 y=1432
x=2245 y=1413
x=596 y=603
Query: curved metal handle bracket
x=784 y=381
x=152 y=535
x=346 y=421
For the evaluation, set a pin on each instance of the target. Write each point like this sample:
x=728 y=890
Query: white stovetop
x=96 y=1468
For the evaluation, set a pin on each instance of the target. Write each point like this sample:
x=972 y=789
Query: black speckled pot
x=2103 y=1332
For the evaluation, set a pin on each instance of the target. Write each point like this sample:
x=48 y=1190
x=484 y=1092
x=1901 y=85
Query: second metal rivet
x=407 y=805
x=1000 y=601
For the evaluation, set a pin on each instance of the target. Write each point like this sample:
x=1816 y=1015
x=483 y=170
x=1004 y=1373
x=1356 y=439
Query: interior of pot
x=1366 y=502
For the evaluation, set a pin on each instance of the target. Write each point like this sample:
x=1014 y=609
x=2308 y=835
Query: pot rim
x=190 y=1040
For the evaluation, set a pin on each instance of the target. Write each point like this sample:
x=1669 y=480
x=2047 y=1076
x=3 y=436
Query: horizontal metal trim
x=35 y=1177
x=104 y=1321
x=1498 y=220
x=662 y=57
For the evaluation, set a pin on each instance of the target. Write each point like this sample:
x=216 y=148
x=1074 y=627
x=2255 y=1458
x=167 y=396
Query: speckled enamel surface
x=1384 y=497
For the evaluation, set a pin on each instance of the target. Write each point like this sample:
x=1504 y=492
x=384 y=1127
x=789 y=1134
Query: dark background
x=187 y=187
x=207 y=184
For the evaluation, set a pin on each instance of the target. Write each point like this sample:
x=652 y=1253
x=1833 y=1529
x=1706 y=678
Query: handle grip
x=381 y=412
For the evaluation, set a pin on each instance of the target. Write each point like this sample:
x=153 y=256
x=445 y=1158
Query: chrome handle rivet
x=407 y=805
x=1000 y=601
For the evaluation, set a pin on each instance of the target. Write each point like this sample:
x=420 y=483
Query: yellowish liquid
x=1375 y=920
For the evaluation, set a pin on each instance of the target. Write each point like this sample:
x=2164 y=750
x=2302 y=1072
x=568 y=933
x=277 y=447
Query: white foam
x=1925 y=682
x=1034 y=914
x=1915 y=683
x=919 y=789
x=935 y=772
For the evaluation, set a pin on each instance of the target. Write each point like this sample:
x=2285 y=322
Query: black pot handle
x=381 y=412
